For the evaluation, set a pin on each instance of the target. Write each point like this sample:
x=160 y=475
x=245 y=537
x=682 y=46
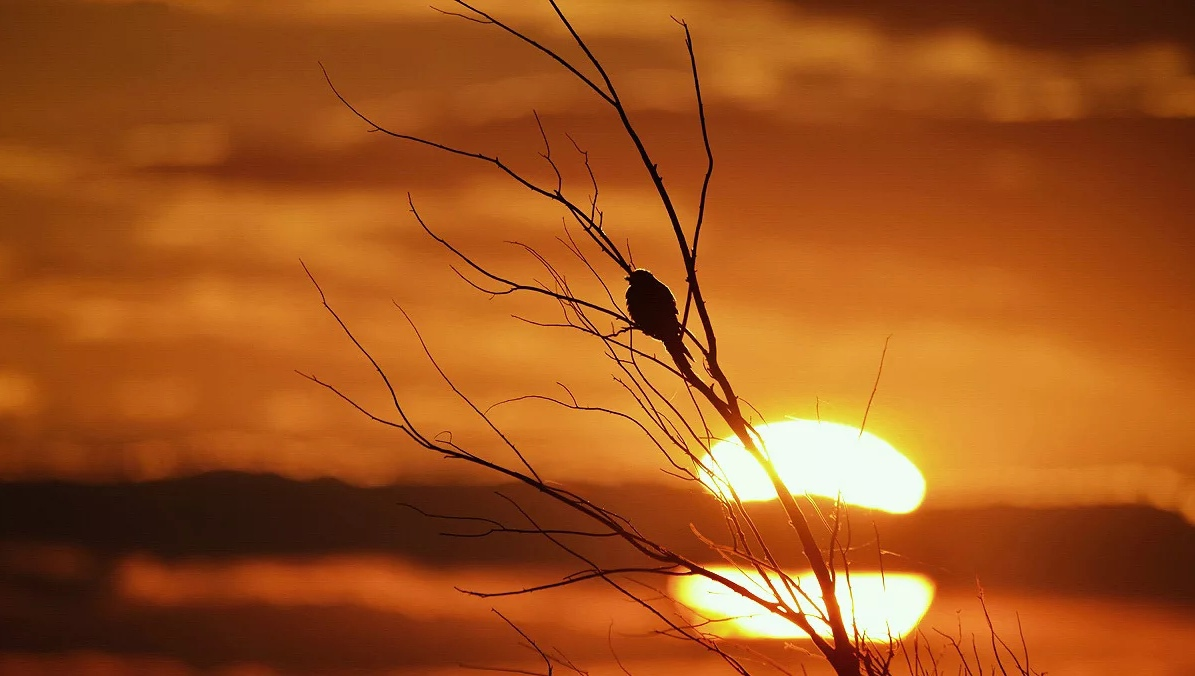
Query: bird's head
x=640 y=275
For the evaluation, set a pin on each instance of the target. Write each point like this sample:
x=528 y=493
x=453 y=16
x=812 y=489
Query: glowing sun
x=820 y=458
x=878 y=606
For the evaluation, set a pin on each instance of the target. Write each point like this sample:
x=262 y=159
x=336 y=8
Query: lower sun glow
x=820 y=458
x=878 y=606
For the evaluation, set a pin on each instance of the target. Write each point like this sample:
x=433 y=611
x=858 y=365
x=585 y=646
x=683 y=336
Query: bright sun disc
x=820 y=458
x=878 y=606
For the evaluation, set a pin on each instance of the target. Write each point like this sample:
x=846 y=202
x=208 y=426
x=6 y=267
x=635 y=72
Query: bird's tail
x=680 y=353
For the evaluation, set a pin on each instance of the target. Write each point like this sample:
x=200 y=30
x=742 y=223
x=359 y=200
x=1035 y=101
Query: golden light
x=820 y=458
x=878 y=606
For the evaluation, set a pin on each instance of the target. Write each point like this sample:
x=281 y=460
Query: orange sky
x=1013 y=210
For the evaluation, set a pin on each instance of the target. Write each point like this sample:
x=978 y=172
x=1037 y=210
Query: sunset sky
x=1007 y=194
x=1000 y=192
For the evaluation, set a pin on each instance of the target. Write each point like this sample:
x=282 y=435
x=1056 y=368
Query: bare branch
x=875 y=386
x=674 y=415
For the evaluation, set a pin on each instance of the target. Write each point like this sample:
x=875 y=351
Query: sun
x=830 y=460
x=878 y=606
x=819 y=458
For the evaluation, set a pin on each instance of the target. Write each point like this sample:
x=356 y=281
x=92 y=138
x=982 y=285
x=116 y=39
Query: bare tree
x=680 y=432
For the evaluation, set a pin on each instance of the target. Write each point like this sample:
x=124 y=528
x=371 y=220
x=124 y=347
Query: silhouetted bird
x=653 y=309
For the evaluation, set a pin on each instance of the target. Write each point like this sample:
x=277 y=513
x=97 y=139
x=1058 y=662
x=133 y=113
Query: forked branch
x=680 y=431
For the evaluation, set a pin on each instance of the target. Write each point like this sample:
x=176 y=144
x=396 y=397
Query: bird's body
x=653 y=310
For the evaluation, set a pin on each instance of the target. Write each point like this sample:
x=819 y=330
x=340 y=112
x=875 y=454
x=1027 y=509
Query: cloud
x=57 y=562
x=802 y=67
x=382 y=583
x=18 y=392
x=798 y=65
x=163 y=397
x=200 y=306
x=193 y=144
x=265 y=226
x=42 y=170
x=1155 y=486
x=96 y=663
